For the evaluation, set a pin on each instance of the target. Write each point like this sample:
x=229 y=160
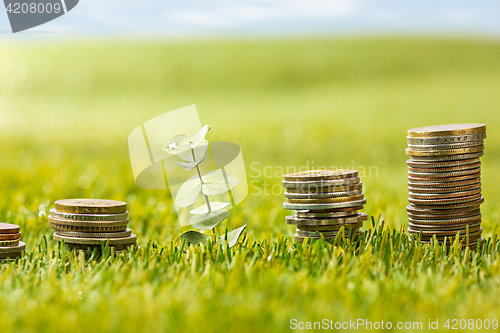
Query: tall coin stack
x=86 y=223
x=444 y=182
x=324 y=201
x=10 y=245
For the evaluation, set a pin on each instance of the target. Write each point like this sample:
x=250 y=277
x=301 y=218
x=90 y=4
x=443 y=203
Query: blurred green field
x=67 y=108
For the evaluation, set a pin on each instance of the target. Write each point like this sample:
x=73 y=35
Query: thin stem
x=201 y=180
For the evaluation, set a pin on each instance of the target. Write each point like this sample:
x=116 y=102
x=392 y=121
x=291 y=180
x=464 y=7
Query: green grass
x=66 y=110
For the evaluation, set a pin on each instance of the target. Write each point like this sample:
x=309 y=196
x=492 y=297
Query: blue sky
x=273 y=17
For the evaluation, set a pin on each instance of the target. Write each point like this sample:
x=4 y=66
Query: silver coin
x=425 y=210
x=441 y=164
x=445 y=184
x=450 y=179
x=431 y=227
x=305 y=227
x=423 y=216
x=438 y=196
x=321 y=195
x=437 y=222
x=440 y=170
x=446 y=139
x=320 y=183
x=309 y=214
x=454 y=206
x=324 y=206
x=443 y=190
x=439 y=202
x=296 y=220
x=447 y=158
x=447 y=146
x=120 y=234
x=444 y=174
x=89 y=217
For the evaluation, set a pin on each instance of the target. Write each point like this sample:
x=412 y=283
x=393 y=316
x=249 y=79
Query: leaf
x=199 y=137
x=179 y=144
x=194 y=237
x=219 y=182
x=190 y=165
x=214 y=205
x=189 y=192
x=199 y=152
x=209 y=220
x=233 y=236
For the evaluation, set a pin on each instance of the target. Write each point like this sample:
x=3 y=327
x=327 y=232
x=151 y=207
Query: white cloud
x=461 y=16
x=235 y=13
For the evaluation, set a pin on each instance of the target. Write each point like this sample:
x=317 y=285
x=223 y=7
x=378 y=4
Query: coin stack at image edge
x=444 y=182
x=324 y=202
x=10 y=245
x=86 y=223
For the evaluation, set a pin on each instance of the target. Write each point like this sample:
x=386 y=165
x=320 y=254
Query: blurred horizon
x=156 y=18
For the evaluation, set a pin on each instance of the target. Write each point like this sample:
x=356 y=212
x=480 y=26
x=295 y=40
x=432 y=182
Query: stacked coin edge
x=444 y=182
x=88 y=223
x=324 y=201
x=11 y=247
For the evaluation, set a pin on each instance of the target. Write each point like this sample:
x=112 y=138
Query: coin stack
x=10 y=245
x=87 y=223
x=444 y=182
x=325 y=201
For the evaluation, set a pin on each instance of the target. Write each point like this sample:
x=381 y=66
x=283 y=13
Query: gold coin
x=74 y=228
x=447 y=152
x=474 y=176
x=446 y=130
x=9 y=243
x=17 y=248
x=79 y=223
x=119 y=234
x=320 y=175
x=10 y=236
x=327 y=200
x=348 y=220
x=90 y=206
x=330 y=189
x=95 y=241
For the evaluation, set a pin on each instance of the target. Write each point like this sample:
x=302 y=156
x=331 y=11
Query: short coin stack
x=444 y=182
x=86 y=223
x=324 y=201
x=10 y=245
